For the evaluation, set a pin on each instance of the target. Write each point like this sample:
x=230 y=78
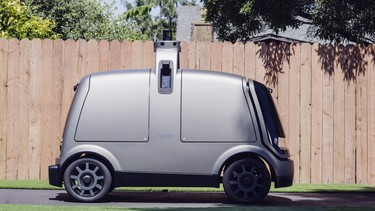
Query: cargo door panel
x=214 y=108
x=116 y=108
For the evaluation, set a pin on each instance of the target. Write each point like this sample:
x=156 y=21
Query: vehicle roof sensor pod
x=166 y=64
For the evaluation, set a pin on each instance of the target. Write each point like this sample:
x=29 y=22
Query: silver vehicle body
x=183 y=135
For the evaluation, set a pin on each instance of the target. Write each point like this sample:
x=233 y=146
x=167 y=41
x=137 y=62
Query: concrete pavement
x=179 y=199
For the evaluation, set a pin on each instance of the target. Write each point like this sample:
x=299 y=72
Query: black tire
x=87 y=180
x=247 y=181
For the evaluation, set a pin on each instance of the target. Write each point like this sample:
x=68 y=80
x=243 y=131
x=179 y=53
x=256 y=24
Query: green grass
x=297 y=188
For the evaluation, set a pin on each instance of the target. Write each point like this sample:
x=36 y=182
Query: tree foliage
x=17 y=22
x=152 y=26
x=85 y=19
x=333 y=20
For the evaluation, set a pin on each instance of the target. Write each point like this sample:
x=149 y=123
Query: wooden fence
x=325 y=96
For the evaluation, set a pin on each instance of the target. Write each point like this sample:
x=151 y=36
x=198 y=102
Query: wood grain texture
x=46 y=107
x=183 y=56
x=148 y=55
x=227 y=57
x=115 y=55
x=92 y=57
x=316 y=117
x=338 y=121
x=191 y=54
x=137 y=55
x=13 y=143
x=216 y=48
x=238 y=58
x=283 y=93
x=35 y=136
x=104 y=51
x=203 y=55
x=23 y=104
x=305 y=115
x=294 y=109
x=361 y=120
x=327 y=122
x=349 y=128
x=3 y=105
x=57 y=91
x=371 y=114
x=250 y=51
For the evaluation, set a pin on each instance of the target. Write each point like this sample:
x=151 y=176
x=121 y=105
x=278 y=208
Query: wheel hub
x=247 y=182
x=86 y=179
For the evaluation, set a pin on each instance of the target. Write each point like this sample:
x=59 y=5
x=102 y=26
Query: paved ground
x=170 y=199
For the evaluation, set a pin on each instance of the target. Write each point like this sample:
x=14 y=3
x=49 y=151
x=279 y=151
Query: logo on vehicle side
x=164 y=136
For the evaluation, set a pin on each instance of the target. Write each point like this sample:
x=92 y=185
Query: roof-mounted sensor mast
x=166 y=62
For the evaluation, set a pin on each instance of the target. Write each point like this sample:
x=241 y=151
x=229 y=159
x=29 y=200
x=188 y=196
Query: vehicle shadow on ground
x=171 y=197
x=273 y=199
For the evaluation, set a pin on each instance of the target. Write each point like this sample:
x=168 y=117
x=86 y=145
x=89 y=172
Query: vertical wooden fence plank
x=371 y=114
x=283 y=90
x=184 y=55
x=361 y=118
x=215 y=56
x=103 y=55
x=294 y=108
x=350 y=139
x=260 y=71
x=115 y=55
x=126 y=54
x=339 y=119
x=23 y=101
x=202 y=56
x=239 y=58
x=12 y=133
x=305 y=162
x=250 y=60
x=227 y=57
x=46 y=106
x=327 y=126
x=35 y=109
x=192 y=52
x=316 y=118
x=3 y=105
x=57 y=90
x=82 y=69
x=92 y=56
x=148 y=55
x=137 y=53
x=70 y=61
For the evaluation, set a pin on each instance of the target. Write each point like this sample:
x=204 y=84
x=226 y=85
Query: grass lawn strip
x=297 y=188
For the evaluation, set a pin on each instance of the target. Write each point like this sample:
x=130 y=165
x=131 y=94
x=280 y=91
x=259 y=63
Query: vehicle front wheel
x=87 y=180
x=247 y=181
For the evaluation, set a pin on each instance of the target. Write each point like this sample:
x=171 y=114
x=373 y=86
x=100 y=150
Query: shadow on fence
x=273 y=55
x=351 y=59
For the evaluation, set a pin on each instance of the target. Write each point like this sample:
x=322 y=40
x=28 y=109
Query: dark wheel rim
x=87 y=179
x=247 y=182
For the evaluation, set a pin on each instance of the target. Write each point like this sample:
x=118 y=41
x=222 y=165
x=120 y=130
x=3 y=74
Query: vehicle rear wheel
x=247 y=181
x=87 y=180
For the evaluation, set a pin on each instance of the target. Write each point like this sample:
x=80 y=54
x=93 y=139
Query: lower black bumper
x=283 y=181
x=285 y=175
x=54 y=175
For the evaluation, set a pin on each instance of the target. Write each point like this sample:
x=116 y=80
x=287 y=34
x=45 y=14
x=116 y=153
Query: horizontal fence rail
x=325 y=95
